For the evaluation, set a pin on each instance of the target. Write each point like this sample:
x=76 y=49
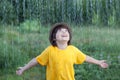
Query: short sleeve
x=79 y=56
x=43 y=58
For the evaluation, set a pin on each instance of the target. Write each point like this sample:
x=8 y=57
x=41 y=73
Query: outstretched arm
x=101 y=63
x=30 y=64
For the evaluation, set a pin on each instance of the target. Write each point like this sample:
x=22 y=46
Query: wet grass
x=17 y=47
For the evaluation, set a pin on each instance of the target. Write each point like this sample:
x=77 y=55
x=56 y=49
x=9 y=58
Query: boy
x=60 y=56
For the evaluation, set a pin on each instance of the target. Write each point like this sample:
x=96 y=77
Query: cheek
x=69 y=36
x=57 y=36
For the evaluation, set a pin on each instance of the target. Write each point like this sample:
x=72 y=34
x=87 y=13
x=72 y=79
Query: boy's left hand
x=103 y=64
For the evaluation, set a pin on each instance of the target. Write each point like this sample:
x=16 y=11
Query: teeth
x=64 y=36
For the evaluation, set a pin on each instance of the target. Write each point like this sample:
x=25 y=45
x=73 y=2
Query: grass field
x=19 y=45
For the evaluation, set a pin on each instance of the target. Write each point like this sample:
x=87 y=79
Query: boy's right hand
x=19 y=71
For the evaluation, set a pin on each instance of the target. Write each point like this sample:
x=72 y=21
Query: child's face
x=62 y=35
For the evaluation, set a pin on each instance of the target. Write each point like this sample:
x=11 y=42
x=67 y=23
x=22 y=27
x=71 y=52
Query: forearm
x=30 y=64
x=92 y=60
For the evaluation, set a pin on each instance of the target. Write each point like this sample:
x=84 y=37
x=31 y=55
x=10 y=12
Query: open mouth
x=64 y=36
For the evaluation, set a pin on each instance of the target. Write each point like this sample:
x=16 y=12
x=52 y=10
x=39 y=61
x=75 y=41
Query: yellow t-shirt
x=60 y=62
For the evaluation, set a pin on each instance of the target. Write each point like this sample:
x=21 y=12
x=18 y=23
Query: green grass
x=101 y=43
x=18 y=46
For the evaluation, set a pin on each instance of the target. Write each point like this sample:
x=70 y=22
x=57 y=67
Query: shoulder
x=50 y=47
x=73 y=47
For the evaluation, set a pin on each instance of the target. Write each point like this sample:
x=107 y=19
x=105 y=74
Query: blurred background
x=24 y=31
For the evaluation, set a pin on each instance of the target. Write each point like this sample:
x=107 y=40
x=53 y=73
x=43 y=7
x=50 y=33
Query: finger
x=105 y=65
x=18 y=73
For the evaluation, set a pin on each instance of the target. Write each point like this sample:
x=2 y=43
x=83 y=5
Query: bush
x=30 y=26
x=7 y=13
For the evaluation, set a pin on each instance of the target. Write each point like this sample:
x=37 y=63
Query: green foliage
x=96 y=19
x=7 y=14
x=10 y=54
x=30 y=26
x=100 y=12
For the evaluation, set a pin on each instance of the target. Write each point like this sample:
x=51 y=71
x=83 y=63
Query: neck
x=62 y=45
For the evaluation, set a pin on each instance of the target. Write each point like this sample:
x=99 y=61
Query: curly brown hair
x=54 y=29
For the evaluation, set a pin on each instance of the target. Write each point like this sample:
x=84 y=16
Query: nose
x=63 y=31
